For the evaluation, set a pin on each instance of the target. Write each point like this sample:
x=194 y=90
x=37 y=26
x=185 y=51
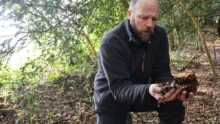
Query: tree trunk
x=218 y=27
x=202 y=37
x=198 y=43
x=171 y=41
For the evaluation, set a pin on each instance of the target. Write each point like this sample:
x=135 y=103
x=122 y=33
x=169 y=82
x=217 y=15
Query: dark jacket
x=120 y=81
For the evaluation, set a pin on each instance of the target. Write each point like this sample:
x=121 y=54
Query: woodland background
x=55 y=84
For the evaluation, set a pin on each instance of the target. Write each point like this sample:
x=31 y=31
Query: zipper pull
x=142 y=66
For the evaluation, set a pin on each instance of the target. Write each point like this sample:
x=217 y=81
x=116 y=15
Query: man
x=132 y=57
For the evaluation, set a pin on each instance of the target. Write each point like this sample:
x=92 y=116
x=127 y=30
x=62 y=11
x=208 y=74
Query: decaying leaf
x=186 y=82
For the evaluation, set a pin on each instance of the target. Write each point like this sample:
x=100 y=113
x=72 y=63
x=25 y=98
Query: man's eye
x=154 y=19
x=144 y=17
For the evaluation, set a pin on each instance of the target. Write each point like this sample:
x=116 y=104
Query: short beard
x=138 y=33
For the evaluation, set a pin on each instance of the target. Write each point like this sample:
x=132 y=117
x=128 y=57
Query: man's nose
x=149 y=23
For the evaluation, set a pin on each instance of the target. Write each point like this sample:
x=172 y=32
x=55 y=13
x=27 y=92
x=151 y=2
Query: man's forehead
x=147 y=14
x=147 y=8
x=150 y=2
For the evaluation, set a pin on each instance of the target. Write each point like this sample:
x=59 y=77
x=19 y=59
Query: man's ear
x=129 y=14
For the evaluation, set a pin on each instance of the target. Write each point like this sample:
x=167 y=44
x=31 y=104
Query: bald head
x=133 y=3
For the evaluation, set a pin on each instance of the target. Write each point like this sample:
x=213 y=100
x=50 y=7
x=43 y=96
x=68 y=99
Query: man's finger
x=197 y=87
x=172 y=94
x=169 y=95
x=175 y=94
x=183 y=95
x=190 y=96
x=156 y=89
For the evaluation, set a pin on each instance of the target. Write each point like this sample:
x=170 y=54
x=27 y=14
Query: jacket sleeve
x=116 y=71
x=161 y=71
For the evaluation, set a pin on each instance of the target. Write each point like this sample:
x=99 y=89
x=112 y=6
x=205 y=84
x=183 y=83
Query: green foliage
x=28 y=101
x=51 y=113
x=180 y=26
x=176 y=60
x=52 y=76
x=14 y=97
x=7 y=75
x=13 y=81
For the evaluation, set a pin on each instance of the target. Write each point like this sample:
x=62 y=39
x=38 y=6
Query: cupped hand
x=172 y=94
x=185 y=97
x=154 y=91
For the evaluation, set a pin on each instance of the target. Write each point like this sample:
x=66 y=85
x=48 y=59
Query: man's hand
x=190 y=96
x=172 y=94
x=184 y=98
x=154 y=91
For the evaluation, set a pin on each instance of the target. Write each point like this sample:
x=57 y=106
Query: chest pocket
x=134 y=58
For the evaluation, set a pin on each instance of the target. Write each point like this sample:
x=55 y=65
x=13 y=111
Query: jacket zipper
x=143 y=59
x=142 y=66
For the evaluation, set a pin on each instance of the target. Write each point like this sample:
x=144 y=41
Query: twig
x=187 y=64
x=10 y=51
x=10 y=112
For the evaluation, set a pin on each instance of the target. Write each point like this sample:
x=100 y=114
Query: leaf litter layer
x=70 y=101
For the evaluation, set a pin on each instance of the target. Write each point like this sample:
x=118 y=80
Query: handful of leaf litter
x=187 y=82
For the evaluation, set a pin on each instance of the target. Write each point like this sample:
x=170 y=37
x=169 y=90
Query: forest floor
x=69 y=99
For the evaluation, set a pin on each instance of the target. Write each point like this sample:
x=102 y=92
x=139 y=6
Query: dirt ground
x=69 y=100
